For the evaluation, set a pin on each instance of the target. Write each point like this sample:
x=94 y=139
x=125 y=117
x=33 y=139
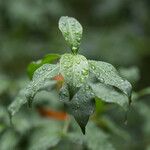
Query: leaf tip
x=10 y=117
x=83 y=129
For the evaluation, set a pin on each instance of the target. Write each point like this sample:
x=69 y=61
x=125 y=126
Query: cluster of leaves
x=84 y=80
x=31 y=131
x=118 y=32
x=105 y=129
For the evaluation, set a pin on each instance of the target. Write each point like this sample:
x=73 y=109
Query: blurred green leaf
x=132 y=74
x=45 y=137
x=5 y=82
x=144 y=92
x=33 y=66
x=9 y=140
x=100 y=105
x=115 y=128
x=96 y=139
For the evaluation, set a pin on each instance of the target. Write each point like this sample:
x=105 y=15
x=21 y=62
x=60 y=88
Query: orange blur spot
x=49 y=113
x=60 y=80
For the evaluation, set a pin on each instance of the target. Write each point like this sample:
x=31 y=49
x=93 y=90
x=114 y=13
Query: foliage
x=116 y=32
x=80 y=77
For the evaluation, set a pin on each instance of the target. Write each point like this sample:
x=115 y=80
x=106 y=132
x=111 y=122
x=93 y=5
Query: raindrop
x=93 y=67
x=82 y=79
x=85 y=72
x=101 y=80
x=74 y=48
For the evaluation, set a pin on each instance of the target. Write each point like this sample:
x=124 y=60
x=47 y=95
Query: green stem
x=66 y=125
x=74 y=50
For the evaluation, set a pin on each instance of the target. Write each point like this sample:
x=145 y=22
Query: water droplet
x=66 y=38
x=74 y=48
x=85 y=72
x=67 y=73
x=93 y=67
x=101 y=80
x=78 y=61
x=79 y=39
x=63 y=23
x=87 y=87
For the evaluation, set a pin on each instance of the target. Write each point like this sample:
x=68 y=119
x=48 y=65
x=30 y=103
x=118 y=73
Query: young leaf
x=33 y=66
x=108 y=75
x=72 y=31
x=74 y=69
x=81 y=106
x=109 y=94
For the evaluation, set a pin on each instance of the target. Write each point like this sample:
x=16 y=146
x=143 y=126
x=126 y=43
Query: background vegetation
x=115 y=31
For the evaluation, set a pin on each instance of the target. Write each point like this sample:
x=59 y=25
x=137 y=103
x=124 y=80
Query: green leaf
x=9 y=140
x=74 y=69
x=144 y=92
x=45 y=137
x=5 y=83
x=107 y=74
x=81 y=106
x=114 y=128
x=19 y=101
x=50 y=58
x=144 y=111
x=42 y=80
x=33 y=66
x=148 y=147
x=108 y=94
x=71 y=30
x=100 y=105
x=96 y=139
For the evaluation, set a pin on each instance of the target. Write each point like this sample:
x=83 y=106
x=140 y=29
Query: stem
x=66 y=125
x=74 y=50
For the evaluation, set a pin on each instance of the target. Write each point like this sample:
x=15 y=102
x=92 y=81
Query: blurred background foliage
x=116 y=31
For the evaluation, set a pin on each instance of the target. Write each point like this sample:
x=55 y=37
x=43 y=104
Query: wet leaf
x=81 y=106
x=71 y=30
x=107 y=74
x=110 y=95
x=42 y=80
x=18 y=102
x=74 y=69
